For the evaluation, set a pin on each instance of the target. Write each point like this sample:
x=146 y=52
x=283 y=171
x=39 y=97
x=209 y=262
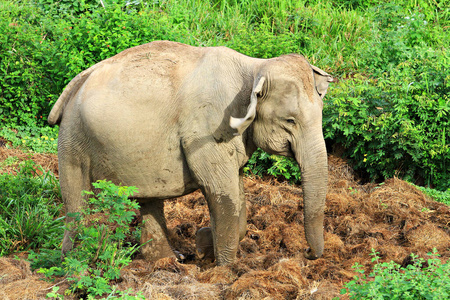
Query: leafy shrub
x=407 y=88
x=400 y=37
x=29 y=209
x=67 y=7
x=100 y=251
x=395 y=121
x=25 y=88
x=422 y=280
x=262 y=163
x=397 y=124
x=41 y=54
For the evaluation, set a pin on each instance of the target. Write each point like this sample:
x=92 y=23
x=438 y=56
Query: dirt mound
x=394 y=218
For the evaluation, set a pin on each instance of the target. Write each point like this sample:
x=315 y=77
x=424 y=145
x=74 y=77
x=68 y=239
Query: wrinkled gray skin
x=171 y=118
x=204 y=243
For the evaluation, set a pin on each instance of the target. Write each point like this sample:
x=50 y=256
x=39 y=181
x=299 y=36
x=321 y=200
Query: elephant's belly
x=156 y=175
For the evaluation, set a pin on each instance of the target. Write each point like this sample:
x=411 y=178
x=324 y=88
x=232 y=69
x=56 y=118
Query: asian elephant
x=170 y=118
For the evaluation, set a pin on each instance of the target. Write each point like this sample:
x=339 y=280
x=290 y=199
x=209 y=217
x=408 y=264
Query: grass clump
x=29 y=209
x=424 y=279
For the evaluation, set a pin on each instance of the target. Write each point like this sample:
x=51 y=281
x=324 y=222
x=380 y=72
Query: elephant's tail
x=71 y=89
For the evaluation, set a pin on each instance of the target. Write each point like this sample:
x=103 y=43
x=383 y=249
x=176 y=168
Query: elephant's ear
x=240 y=124
x=322 y=80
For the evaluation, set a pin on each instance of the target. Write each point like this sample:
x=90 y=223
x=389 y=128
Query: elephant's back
x=160 y=58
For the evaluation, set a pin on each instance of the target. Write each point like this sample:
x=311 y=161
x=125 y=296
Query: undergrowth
x=424 y=279
x=37 y=139
x=262 y=163
x=440 y=196
x=30 y=209
x=100 y=251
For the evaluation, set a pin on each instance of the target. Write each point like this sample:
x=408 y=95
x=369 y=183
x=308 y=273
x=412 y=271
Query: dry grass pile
x=17 y=281
x=47 y=161
x=394 y=218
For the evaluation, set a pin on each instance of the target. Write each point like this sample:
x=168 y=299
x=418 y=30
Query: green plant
x=396 y=124
x=428 y=279
x=124 y=295
x=67 y=7
x=37 y=139
x=100 y=251
x=440 y=196
x=54 y=293
x=25 y=87
x=29 y=209
x=262 y=163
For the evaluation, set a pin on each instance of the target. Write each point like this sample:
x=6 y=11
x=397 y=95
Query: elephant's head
x=285 y=113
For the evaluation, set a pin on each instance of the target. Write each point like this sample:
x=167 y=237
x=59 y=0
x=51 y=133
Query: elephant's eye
x=291 y=121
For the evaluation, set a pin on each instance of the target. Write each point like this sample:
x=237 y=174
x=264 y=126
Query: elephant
x=171 y=118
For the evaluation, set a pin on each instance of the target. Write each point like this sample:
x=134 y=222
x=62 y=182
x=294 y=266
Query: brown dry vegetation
x=394 y=218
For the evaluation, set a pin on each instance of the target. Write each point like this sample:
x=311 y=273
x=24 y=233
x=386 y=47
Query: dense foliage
x=390 y=109
x=395 y=121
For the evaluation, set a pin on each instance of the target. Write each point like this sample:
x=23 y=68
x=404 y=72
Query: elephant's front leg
x=243 y=209
x=217 y=173
x=224 y=210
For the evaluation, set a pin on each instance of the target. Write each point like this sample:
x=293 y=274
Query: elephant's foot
x=67 y=243
x=154 y=231
x=155 y=246
x=204 y=244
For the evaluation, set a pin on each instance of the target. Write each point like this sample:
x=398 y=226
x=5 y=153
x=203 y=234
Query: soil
x=393 y=217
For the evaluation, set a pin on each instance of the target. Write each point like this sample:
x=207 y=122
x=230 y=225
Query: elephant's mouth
x=286 y=150
x=290 y=152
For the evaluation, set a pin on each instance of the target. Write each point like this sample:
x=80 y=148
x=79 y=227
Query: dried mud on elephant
x=388 y=217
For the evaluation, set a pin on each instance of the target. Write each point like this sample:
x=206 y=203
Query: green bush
x=397 y=124
x=67 y=7
x=41 y=54
x=26 y=91
x=29 y=209
x=100 y=251
x=428 y=279
x=395 y=121
x=402 y=36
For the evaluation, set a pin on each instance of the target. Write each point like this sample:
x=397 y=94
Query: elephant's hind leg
x=73 y=181
x=154 y=231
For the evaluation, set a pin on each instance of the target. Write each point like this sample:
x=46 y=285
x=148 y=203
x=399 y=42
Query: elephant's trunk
x=312 y=158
